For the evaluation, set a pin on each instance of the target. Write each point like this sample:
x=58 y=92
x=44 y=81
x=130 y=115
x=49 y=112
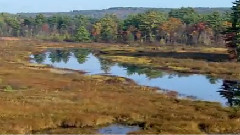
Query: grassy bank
x=35 y=98
x=201 y=60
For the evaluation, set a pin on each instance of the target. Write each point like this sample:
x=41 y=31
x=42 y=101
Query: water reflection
x=118 y=129
x=231 y=91
x=39 y=58
x=200 y=86
x=105 y=65
x=212 y=80
x=57 y=56
x=81 y=55
x=150 y=73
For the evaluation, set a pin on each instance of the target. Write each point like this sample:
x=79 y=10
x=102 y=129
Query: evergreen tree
x=82 y=35
x=215 y=21
x=187 y=15
x=109 y=28
x=233 y=33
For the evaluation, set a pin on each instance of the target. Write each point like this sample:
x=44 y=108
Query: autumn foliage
x=179 y=26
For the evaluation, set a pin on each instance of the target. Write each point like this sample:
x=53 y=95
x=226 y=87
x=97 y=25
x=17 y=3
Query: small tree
x=233 y=33
x=82 y=35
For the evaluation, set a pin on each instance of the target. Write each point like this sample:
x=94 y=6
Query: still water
x=201 y=87
x=118 y=129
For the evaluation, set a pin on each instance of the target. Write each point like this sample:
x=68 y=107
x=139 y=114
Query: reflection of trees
x=212 y=80
x=130 y=69
x=63 y=55
x=150 y=73
x=231 y=91
x=105 y=65
x=181 y=74
x=175 y=74
x=59 y=55
x=81 y=55
x=39 y=58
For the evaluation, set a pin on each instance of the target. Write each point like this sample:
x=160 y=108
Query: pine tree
x=82 y=34
x=233 y=33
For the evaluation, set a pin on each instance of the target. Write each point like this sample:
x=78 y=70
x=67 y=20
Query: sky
x=17 y=6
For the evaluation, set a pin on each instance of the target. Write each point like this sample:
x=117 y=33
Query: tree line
x=179 y=26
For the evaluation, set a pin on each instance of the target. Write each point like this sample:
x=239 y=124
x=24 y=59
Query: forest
x=178 y=26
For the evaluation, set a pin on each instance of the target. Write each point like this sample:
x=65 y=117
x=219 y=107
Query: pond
x=118 y=129
x=201 y=87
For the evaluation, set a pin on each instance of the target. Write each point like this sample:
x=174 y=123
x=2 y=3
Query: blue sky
x=15 y=6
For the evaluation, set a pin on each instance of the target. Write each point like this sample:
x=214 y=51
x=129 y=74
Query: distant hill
x=122 y=12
